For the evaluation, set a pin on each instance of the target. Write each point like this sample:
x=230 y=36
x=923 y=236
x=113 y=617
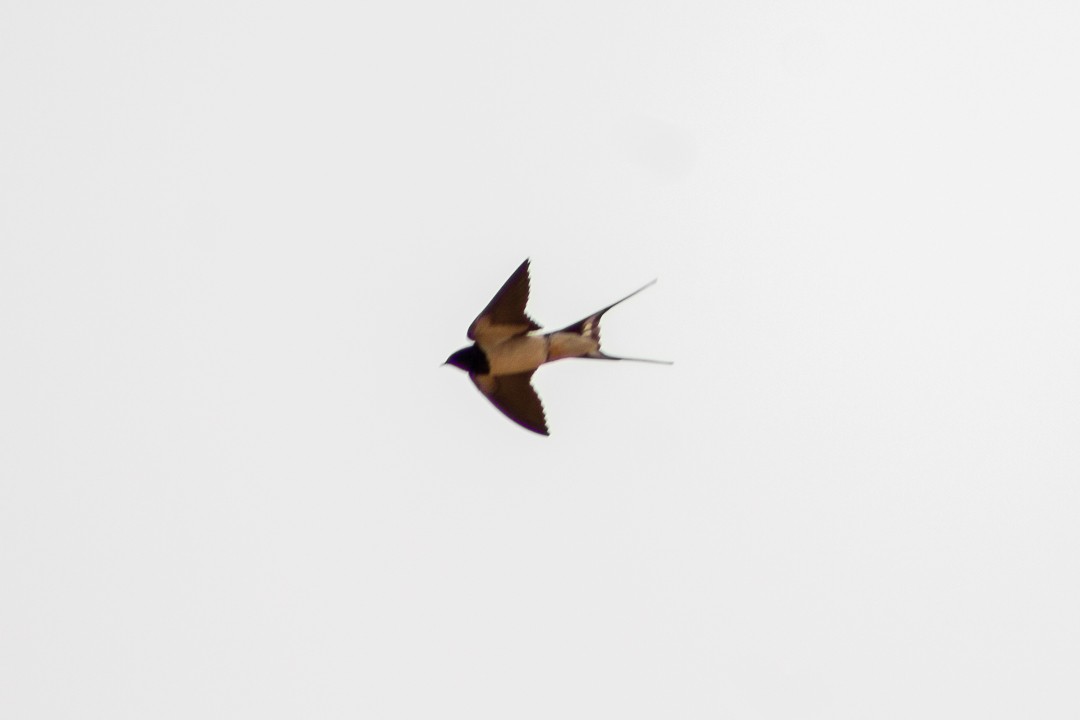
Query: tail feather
x=590 y=327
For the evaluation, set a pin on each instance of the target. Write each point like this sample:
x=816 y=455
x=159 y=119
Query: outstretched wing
x=504 y=317
x=515 y=397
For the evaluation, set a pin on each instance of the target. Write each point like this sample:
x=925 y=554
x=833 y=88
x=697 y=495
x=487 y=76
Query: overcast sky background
x=237 y=239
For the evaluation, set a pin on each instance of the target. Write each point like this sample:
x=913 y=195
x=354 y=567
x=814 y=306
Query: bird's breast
x=517 y=355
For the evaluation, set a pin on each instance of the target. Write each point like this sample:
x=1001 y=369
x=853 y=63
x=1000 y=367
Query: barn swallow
x=506 y=352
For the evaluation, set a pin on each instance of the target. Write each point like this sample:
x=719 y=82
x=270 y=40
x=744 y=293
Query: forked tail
x=590 y=328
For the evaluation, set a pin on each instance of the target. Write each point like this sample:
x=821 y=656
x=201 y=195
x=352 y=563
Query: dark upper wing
x=504 y=317
x=515 y=397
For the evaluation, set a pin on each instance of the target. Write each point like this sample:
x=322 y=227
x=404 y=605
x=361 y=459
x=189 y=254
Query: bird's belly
x=517 y=355
x=568 y=344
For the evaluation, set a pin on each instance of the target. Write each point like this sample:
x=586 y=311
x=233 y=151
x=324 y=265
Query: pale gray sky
x=237 y=239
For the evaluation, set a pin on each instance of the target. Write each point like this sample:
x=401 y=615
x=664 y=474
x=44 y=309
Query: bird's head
x=470 y=359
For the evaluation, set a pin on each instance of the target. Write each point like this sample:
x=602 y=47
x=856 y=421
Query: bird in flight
x=506 y=352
